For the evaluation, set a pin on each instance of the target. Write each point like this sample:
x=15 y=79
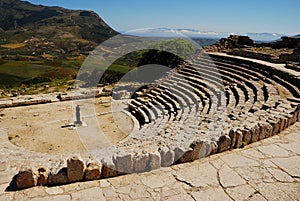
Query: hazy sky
x=278 y=16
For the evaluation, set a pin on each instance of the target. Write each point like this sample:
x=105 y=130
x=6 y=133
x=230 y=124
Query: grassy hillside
x=45 y=42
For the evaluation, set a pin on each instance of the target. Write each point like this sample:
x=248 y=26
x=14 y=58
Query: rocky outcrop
x=232 y=42
x=245 y=47
x=285 y=42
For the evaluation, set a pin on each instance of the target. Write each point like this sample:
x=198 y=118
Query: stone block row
x=125 y=163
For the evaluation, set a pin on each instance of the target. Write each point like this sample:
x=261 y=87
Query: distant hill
x=194 y=33
x=35 y=29
x=265 y=37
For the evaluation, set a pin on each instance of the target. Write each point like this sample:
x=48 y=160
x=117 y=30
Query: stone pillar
x=78 y=121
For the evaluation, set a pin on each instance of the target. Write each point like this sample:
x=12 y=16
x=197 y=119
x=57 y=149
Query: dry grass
x=79 y=58
x=66 y=36
x=47 y=56
x=13 y=45
x=268 y=50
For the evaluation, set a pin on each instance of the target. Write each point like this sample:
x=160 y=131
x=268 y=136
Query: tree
x=170 y=53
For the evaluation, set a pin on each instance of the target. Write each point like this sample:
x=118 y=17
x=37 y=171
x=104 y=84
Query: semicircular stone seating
x=211 y=104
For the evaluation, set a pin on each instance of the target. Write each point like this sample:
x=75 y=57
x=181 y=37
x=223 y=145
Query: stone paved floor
x=266 y=170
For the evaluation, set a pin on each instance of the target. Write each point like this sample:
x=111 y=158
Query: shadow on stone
x=12 y=185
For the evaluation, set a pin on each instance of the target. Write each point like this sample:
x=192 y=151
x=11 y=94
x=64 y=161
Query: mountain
x=265 y=36
x=194 y=33
x=167 y=32
x=205 y=34
x=28 y=29
x=297 y=36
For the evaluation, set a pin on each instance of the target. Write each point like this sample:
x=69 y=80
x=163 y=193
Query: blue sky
x=275 y=16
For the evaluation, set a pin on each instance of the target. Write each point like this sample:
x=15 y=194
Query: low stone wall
x=22 y=102
x=79 y=170
x=254 y=55
x=50 y=98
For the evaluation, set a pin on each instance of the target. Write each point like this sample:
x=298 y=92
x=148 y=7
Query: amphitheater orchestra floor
x=265 y=170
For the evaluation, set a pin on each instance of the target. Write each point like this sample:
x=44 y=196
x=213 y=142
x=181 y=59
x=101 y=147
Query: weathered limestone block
x=246 y=135
x=75 y=169
x=290 y=120
x=276 y=127
x=297 y=112
x=201 y=149
x=26 y=178
x=255 y=132
x=43 y=173
x=93 y=171
x=5 y=103
x=57 y=176
x=233 y=137
x=262 y=130
x=154 y=161
x=214 y=147
x=140 y=162
x=279 y=122
x=268 y=130
x=18 y=102
x=283 y=123
x=272 y=124
x=167 y=156
x=109 y=168
x=124 y=163
x=239 y=139
x=183 y=155
x=224 y=143
x=294 y=117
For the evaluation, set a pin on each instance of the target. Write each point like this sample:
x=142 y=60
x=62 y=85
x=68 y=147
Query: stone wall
x=294 y=57
x=51 y=98
x=254 y=55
